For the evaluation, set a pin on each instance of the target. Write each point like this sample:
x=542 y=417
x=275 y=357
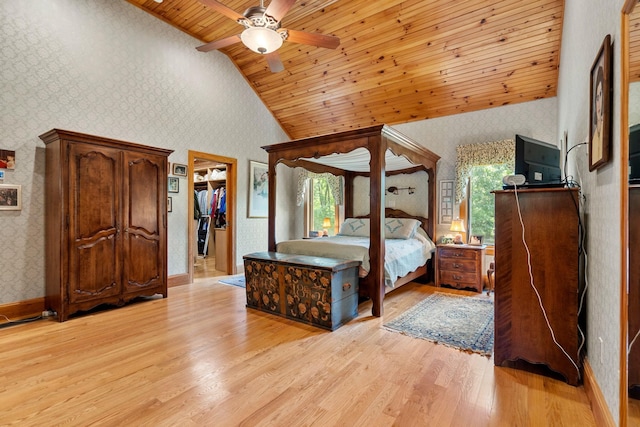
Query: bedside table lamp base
x=457 y=226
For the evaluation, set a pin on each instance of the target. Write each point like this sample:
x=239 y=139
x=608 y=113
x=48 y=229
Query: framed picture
x=258 y=190
x=7 y=159
x=169 y=204
x=173 y=185
x=600 y=107
x=10 y=197
x=445 y=205
x=475 y=239
x=180 y=170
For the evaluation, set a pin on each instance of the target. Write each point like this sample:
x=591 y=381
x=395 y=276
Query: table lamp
x=457 y=225
x=326 y=223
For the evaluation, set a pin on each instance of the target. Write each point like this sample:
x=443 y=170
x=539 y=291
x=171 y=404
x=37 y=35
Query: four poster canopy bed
x=375 y=153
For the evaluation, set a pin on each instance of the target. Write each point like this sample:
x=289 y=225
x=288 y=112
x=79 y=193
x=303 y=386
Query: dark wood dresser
x=460 y=266
x=551 y=224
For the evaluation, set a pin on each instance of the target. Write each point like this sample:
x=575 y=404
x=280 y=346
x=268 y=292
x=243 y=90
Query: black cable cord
x=19 y=322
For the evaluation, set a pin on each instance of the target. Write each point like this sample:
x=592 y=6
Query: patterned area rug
x=237 y=280
x=465 y=323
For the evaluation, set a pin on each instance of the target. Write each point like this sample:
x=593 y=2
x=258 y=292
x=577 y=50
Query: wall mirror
x=630 y=228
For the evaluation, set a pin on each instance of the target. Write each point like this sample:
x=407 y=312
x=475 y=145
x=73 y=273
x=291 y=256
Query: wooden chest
x=460 y=266
x=322 y=292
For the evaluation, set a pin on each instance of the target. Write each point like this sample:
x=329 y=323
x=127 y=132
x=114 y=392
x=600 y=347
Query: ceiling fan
x=262 y=33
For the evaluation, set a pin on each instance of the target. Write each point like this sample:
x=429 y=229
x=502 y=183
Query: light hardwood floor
x=201 y=358
x=206 y=267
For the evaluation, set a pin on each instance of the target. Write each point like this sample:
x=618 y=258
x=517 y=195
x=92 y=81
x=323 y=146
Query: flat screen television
x=538 y=161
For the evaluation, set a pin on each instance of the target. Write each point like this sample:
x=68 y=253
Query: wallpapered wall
x=536 y=119
x=106 y=68
x=586 y=24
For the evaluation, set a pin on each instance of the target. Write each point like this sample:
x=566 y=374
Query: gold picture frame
x=600 y=107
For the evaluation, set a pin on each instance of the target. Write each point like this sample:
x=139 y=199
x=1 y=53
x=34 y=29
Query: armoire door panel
x=143 y=175
x=94 y=270
x=143 y=268
x=145 y=205
x=95 y=190
x=94 y=266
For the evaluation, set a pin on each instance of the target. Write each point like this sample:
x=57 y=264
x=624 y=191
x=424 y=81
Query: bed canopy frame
x=380 y=142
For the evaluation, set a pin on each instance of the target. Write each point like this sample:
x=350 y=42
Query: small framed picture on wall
x=173 y=185
x=179 y=170
x=10 y=197
x=445 y=206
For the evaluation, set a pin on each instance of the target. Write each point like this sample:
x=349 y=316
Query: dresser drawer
x=461 y=265
x=457 y=253
x=457 y=277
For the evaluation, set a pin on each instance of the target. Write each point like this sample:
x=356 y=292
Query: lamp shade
x=457 y=225
x=261 y=40
x=326 y=223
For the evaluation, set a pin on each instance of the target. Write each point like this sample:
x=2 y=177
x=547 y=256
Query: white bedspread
x=401 y=256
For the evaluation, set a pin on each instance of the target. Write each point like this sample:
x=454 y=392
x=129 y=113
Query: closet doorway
x=212 y=237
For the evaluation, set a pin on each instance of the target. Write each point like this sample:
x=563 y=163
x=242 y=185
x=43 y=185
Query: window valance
x=482 y=154
x=335 y=185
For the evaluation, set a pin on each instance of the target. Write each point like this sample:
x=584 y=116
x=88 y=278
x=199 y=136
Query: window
x=484 y=180
x=320 y=206
x=482 y=166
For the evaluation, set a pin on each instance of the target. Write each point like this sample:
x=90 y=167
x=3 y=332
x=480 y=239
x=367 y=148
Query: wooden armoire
x=550 y=259
x=106 y=221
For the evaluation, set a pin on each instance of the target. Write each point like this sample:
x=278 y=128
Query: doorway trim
x=231 y=193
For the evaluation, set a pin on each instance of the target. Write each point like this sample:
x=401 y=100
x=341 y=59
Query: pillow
x=400 y=228
x=394 y=228
x=356 y=227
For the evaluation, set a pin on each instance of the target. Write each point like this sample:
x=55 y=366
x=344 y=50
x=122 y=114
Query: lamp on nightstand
x=326 y=223
x=457 y=225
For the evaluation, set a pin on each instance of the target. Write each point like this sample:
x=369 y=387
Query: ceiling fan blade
x=278 y=8
x=313 y=39
x=219 y=7
x=219 y=44
x=275 y=64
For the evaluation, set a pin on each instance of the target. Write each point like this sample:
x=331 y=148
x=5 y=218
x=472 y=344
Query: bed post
x=377 y=149
x=271 y=239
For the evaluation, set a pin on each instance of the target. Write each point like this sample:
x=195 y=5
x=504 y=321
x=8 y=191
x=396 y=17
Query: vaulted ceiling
x=398 y=61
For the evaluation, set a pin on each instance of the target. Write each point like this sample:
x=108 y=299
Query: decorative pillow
x=356 y=227
x=400 y=228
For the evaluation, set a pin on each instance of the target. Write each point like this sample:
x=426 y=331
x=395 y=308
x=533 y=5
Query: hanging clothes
x=202 y=201
x=196 y=206
x=219 y=207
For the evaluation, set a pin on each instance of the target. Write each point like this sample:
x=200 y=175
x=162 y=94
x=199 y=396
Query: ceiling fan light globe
x=261 y=40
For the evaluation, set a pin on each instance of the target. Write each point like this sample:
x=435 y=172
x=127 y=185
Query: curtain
x=482 y=154
x=335 y=185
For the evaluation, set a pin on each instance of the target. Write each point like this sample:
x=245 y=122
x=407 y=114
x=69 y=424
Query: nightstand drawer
x=457 y=253
x=461 y=265
x=458 y=277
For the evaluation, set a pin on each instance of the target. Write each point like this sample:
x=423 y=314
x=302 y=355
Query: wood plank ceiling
x=398 y=61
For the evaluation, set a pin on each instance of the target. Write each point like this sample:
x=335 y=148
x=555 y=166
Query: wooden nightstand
x=460 y=266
